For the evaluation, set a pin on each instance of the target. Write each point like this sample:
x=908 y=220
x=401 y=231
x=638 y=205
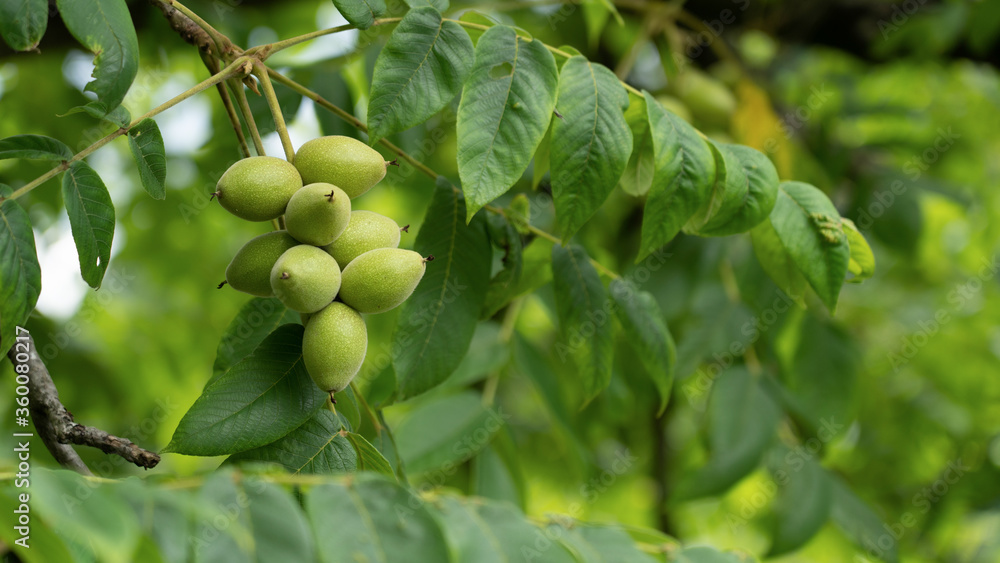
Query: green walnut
x=318 y=213
x=258 y=188
x=381 y=279
x=305 y=278
x=334 y=346
x=342 y=161
x=366 y=231
x=250 y=269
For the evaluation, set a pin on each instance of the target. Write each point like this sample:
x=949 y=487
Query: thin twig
x=56 y=427
x=260 y=71
x=227 y=102
x=207 y=83
x=241 y=100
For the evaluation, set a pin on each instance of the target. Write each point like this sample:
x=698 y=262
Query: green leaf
x=119 y=117
x=584 y=318
x=506 y=106
x=809 y=228
x=776 y=261
x=97 y=518
x=279 y=526
x=638 y=175
x=91 y=218
x=684 y=171
x=742 y=420
x=436 y=323
x=426 y=445
x=439 y=5
x=258 y=318
x=372 y=519
x=745 y=190
x=820 y=379
x=647 y=333
x=803 y=503
x=702 y=554
x=419 y=71
x=23 y=22
x=38 y=147
x=315 y=447
x=857 y=520
x=105 y=28
x=652 y=537
x=493 y=478
x=348 y=409
x=488 y=532
x=862 y=261
x=257 y=401
x=44 y=545
x=361 y=13
x=369 y=458
x=601 y=543
x=591 y=142
x=218 y=501
x=164 y=517
x=20 y=275
x=488 y=353
x=505 y=282
x=146 y=144
x=540 y=166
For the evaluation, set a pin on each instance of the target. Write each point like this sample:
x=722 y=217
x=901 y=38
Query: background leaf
x=820 y=375
x=506 y=106
x=374 y=520
x=426 y=445
x=37 y=147
x=497 y=532
x=146 y=145
x=361 y=13
x=591 y=142
x=860 y=523
x=647 y=333
x=257 y=401
x=684 y=171
x=91 y=218
x=20 y=275
x=809 y=228
x=437 y=322
x=803 y=503
x=278 y=524
x=584 y=318
x=23 y=22
x=105 y=28
x=742 y=420
x=317 y=446
x=98 y=518
x=418 y=72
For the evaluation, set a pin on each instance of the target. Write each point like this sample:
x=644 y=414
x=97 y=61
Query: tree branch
x=56 y=427
x=188 y=29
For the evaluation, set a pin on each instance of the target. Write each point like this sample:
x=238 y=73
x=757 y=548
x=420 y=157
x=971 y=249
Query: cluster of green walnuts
x=329 y=263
